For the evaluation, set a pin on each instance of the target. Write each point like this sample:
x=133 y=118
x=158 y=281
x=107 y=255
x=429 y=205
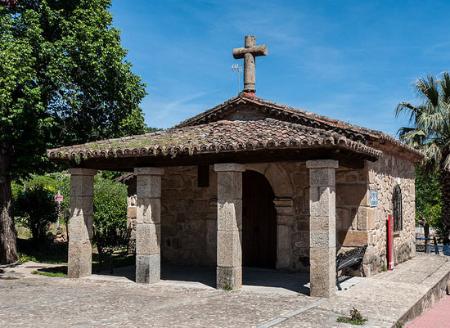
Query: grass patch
x=355 y=318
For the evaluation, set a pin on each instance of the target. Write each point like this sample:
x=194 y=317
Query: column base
x=229 y=278
x=80 y=259
x=148 y=268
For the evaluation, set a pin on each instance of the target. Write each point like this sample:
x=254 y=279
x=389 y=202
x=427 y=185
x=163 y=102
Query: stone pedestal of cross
x=249 y=52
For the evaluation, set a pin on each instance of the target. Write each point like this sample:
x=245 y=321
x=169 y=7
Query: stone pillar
x=322 y=225
x=229 y=225
x=285 y=219
x=80 y=223
x=148 y=224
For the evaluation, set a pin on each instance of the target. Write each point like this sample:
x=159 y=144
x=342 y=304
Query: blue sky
x=349 y=59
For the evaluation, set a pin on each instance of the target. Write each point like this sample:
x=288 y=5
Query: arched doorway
x=259 y=222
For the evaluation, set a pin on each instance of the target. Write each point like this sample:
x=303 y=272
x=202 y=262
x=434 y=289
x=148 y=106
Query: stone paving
x=36 y=301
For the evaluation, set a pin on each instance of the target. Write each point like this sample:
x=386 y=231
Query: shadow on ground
x=207 y=276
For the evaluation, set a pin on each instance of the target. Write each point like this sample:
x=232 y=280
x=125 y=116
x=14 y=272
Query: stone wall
x=351 y=208
x=189 y=212
x=383 y=176
x=187 y=235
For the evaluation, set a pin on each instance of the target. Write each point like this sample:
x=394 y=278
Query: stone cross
x=249 y=52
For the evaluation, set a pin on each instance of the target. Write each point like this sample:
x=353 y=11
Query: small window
x=203 y=176
x=397 y=208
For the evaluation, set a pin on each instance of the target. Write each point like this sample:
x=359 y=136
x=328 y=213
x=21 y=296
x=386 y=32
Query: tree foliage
x=110 y=213
x=35 y=205
x=430 y=121
x=428 y=198
x=64 y=79
x=429 y=131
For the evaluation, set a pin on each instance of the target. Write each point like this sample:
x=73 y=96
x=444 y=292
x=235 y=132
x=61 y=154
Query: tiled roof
x=294 y=115
x=216 y=137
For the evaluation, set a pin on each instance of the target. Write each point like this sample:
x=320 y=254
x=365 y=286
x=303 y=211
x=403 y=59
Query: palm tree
x=429 y=132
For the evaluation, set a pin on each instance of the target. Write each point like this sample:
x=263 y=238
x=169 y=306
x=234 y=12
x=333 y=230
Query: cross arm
x=255 y=51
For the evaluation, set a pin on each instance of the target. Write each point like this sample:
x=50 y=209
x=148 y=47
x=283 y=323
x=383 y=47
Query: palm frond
x=428 y=88
x=445 y=87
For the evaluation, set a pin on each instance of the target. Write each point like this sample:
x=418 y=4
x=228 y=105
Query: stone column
x=229 y=225
x=148 y=224
x=285 y=219
x=322 y=225
x=80 y=223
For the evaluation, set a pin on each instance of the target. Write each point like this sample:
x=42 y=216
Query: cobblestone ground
x=59 y=302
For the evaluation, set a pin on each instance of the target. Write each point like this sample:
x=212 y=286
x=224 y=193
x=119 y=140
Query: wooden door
x=259 y=227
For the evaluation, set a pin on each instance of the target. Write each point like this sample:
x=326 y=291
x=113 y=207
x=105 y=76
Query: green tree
x=429 y=131
x=64 y=79
x=428 y=198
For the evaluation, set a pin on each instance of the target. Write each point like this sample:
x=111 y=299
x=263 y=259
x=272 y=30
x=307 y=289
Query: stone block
x=81 y=185
x=80 y=258
x=353 y=238
x=148 y=186
x=148 y=268
x=322 y=163
x=283 y=237
x=229 y=185
x=351 y=194
x=284 y=203
x=80 y=227
x=229 y=215
x=283 y=247
x=81 y=205
x=229 y=167
x=321 y=223
x=322 y=177
x=148 y=210
x=322 y=272
x=286 y=219
x=148 y=171
x=323 y=201
x=229 y=249
x=229 y=278
x=148 y=238
x=366 y=218
x=322 y=239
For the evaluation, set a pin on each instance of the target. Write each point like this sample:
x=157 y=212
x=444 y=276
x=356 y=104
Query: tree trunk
x=445 y=190
x=8 y=252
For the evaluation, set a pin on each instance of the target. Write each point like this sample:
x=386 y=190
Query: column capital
x=322 y=164
x=82 y=171
x=148 y=171
x=229 y=167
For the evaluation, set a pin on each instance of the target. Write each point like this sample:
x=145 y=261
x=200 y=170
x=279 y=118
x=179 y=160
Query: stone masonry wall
x=383 y=176
x=189 y=213
x=187 y=235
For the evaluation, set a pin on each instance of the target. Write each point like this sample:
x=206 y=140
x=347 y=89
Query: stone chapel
x=252 y=183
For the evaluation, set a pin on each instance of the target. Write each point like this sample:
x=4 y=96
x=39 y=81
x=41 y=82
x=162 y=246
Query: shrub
x=110 y=215
x=36 y=207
